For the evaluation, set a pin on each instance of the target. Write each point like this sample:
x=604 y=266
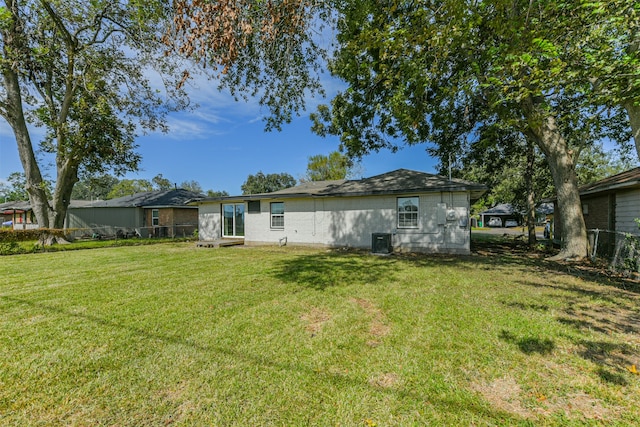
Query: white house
x=402 y=210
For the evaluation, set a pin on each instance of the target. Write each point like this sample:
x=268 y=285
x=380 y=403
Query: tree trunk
x=634 y=117
x=544 y=129
x=67 y=177
x=15 y=118
x=531 y=196
x=633 y=109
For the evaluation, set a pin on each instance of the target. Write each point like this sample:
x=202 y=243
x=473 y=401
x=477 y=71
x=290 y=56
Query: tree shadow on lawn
x=348 y=266
x=529 y=345
x=603 y=304
x=337 y=268
x=514 y=251
x=595 y=308
x=588 y=311
x=335 y=379
x=320 y=271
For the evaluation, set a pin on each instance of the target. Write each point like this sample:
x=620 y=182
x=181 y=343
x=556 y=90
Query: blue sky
x=223 y=141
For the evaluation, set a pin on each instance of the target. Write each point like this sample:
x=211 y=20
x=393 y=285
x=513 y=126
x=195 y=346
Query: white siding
x=351 y=221
x=627 y=210
x=209 y=222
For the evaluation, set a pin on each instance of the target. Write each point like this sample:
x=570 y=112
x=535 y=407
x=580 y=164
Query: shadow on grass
x=513 y=251
x=612 y=358
x=335 y=379
x=529 y=345
x=321 y=271
x=335 y=268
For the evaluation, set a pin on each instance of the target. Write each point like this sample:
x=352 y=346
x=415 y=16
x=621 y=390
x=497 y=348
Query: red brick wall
x=185 y=216
x=599 y=212
x=173 y=221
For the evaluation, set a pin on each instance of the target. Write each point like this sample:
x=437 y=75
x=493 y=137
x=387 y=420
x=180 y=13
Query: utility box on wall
x=381 y=243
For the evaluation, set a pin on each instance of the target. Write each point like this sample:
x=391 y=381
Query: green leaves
x=261 y=183
x=5 y=18
x=408 y=63
x=331 y=167
x=80 y=71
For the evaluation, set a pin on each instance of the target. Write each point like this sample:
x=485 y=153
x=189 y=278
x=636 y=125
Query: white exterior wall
x=209 y=221
x=627 y=210
x=351 y=221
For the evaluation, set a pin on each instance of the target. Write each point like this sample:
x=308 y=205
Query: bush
x=38 y=234
x=9 y=247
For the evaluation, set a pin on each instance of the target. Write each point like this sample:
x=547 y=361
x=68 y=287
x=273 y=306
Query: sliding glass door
x=233 y=220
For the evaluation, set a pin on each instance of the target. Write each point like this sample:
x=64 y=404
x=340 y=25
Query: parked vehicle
x=511 y=223
x=495 y=221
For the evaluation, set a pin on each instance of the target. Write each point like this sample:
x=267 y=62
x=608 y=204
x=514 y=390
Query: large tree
x=78 y=69
x=263 y=49
x=95 y=187
x=261 y=183
x=322 y=168
x=129 y=187
x=418 y=70
x=608 y=54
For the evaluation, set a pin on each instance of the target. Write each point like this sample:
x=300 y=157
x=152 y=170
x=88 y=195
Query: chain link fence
x=178 y=231
x=620 y=250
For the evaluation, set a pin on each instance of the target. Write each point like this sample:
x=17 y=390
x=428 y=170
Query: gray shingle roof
x=160 y=198
x=400 y=181
x=18 y=206
x=500 y=209
x=150 y=199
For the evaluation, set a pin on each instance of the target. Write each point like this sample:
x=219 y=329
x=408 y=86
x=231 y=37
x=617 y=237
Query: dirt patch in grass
x=576 y=406
x=505 y=394
x=314 y=320
x=378 y=327
x=175 y=396
x=386 y=380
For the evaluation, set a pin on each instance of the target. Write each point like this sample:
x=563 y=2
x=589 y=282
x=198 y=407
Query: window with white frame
x=155 y=217
x=277 y=215
x=408 y=212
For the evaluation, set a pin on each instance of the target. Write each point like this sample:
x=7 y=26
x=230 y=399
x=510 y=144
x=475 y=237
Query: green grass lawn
x=175 y=335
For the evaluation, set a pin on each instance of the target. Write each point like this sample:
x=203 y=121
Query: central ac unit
x=381 y=243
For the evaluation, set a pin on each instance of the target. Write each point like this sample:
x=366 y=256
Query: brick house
x=162 y=213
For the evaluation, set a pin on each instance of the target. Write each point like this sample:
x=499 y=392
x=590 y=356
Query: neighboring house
x=6 y=215
x=402 y=210
x=609 y=204
x=498 y=215
x=19 y=214
x=162 y=213
x=544 y=212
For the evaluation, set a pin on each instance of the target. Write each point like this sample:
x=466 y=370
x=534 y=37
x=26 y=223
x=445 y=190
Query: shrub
x=38 y=234
x=9 y=247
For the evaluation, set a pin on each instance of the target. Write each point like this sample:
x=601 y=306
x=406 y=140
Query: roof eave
x=475 y=191
x=613 y=187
